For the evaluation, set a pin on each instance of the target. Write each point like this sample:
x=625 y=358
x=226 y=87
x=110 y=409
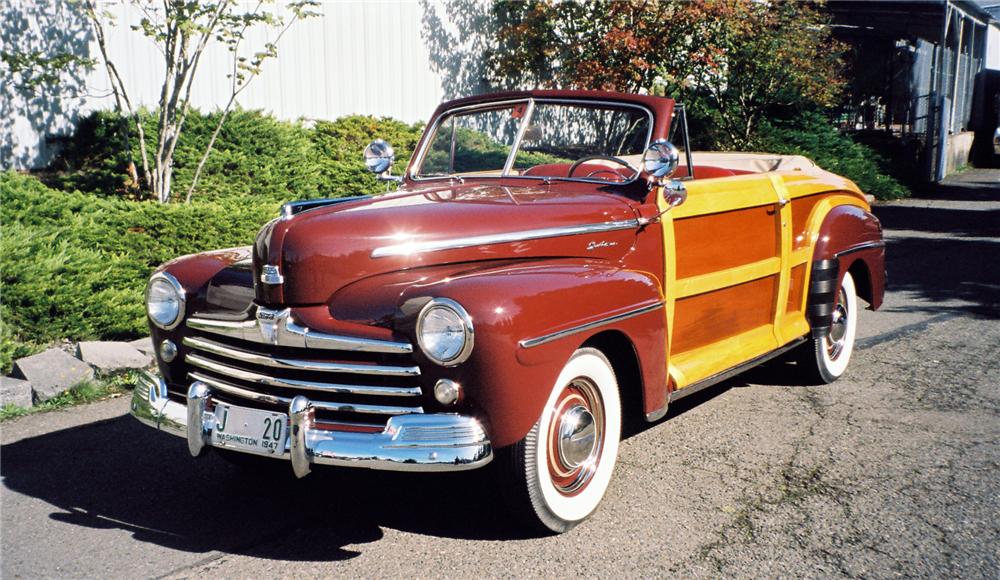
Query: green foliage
x=75 y=266
x=732 y=61
x=813 y=136
x=78 y=249
x=255 y=155
x=338 y=147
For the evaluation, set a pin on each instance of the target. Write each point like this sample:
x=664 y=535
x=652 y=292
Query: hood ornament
x=271 y=275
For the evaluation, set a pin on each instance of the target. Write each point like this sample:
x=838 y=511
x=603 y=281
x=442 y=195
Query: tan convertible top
x=753 y=162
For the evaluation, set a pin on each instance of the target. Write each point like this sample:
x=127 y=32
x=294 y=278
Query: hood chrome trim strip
x=409 y=248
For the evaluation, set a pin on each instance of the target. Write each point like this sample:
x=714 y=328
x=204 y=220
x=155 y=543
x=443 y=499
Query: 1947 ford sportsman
x=550 y=266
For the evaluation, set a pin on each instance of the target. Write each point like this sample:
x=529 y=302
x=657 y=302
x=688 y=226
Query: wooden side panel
x=749 y=235
x=707 y=318
x=796 y=289
x=801 y=210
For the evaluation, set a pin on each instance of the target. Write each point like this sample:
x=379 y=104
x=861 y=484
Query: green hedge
x=254 y=155
x=75 y=266
x=812 y=135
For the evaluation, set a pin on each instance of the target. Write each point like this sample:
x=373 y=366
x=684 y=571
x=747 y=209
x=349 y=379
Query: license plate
x=250 y=430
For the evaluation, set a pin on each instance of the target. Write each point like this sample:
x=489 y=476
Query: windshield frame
x=425 y=144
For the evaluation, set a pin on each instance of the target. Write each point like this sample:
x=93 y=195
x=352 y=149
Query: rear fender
x=849 y=240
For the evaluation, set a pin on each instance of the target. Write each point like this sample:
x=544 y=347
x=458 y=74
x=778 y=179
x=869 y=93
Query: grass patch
x=107 y=387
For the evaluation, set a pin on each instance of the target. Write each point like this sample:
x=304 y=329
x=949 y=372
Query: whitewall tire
x=557 y=475
x=825 y=359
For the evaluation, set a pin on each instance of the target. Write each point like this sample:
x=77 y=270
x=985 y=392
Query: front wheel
x=823 y=360
x=556 y=476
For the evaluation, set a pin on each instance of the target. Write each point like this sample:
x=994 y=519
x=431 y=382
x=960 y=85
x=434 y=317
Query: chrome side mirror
x=378 y=159
x=674 y=193
x=661 y=160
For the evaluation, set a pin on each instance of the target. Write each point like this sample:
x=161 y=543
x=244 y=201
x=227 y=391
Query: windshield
x=602 y=142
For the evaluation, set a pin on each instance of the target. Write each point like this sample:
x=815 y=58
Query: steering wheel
x=612 y=174
x=579 y=162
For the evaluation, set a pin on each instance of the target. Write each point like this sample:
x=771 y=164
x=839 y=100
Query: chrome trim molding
x=279 y=328
x=654 y=416
x=409 y=248
x=236 y=391
x=293 y=364
x=532 y=342
x=470 y=333
x=180 y=292
x=430 y=442
x=333 y=388
x=861 y=247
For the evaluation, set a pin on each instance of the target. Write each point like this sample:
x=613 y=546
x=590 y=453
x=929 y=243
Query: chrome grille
x=361 y=381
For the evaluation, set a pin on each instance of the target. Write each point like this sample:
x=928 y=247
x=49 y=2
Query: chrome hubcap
x=576 y=436
x=835 y=339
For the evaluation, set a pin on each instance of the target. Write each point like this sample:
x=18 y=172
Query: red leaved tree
x=731 y=61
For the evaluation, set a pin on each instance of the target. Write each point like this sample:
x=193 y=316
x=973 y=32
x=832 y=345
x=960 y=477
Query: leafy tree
x=730 y=60
x=181 y=31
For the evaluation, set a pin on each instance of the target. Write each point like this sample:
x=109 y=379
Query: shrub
x=813 y=136
x=338 y=147
x=75 y=266
x=254 y=155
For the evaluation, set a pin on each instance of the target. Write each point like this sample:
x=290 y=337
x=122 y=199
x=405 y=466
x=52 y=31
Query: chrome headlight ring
x=437 y=350
x=163 y=280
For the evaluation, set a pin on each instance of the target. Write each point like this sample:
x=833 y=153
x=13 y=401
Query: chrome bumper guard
x=418 y=442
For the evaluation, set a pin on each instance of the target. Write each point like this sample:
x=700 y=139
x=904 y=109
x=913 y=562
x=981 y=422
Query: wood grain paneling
x=714 y=242
x=706 y=318
x=796 y=289
x=801 y=209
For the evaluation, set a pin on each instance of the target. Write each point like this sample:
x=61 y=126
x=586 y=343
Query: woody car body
x=549 y=266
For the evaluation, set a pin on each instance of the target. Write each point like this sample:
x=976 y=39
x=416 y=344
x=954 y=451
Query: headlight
x=164 y=300
x=444 y=331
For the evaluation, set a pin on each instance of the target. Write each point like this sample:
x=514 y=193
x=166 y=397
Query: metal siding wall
x=355 y=58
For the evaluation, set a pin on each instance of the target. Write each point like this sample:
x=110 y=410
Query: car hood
x=319 y=251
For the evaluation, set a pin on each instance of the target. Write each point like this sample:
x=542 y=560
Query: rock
x=15 y=392
x=144 y=345
x=52 y=372
x=111 y=356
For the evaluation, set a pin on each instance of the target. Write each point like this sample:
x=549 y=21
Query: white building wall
x=357 y=57
x=993 y=46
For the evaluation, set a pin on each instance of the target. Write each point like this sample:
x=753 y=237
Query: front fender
x=506 y=380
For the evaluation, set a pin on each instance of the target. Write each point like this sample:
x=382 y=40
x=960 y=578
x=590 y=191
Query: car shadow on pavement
x=946 y=256
x=118 y=474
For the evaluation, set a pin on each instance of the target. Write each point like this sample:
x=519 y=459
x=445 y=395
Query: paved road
x=891 y=471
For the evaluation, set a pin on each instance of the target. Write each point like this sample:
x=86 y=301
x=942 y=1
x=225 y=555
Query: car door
x=727 y=248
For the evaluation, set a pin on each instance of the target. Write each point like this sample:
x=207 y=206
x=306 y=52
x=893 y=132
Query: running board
x=732 y=372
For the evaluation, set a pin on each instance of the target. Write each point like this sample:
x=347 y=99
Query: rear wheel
x=823 y=360
x=556 y=476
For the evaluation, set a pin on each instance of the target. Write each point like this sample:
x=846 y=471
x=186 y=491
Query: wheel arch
x=624 y=359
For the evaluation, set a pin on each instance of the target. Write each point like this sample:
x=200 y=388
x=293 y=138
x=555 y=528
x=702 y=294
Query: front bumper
x=431 y=442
